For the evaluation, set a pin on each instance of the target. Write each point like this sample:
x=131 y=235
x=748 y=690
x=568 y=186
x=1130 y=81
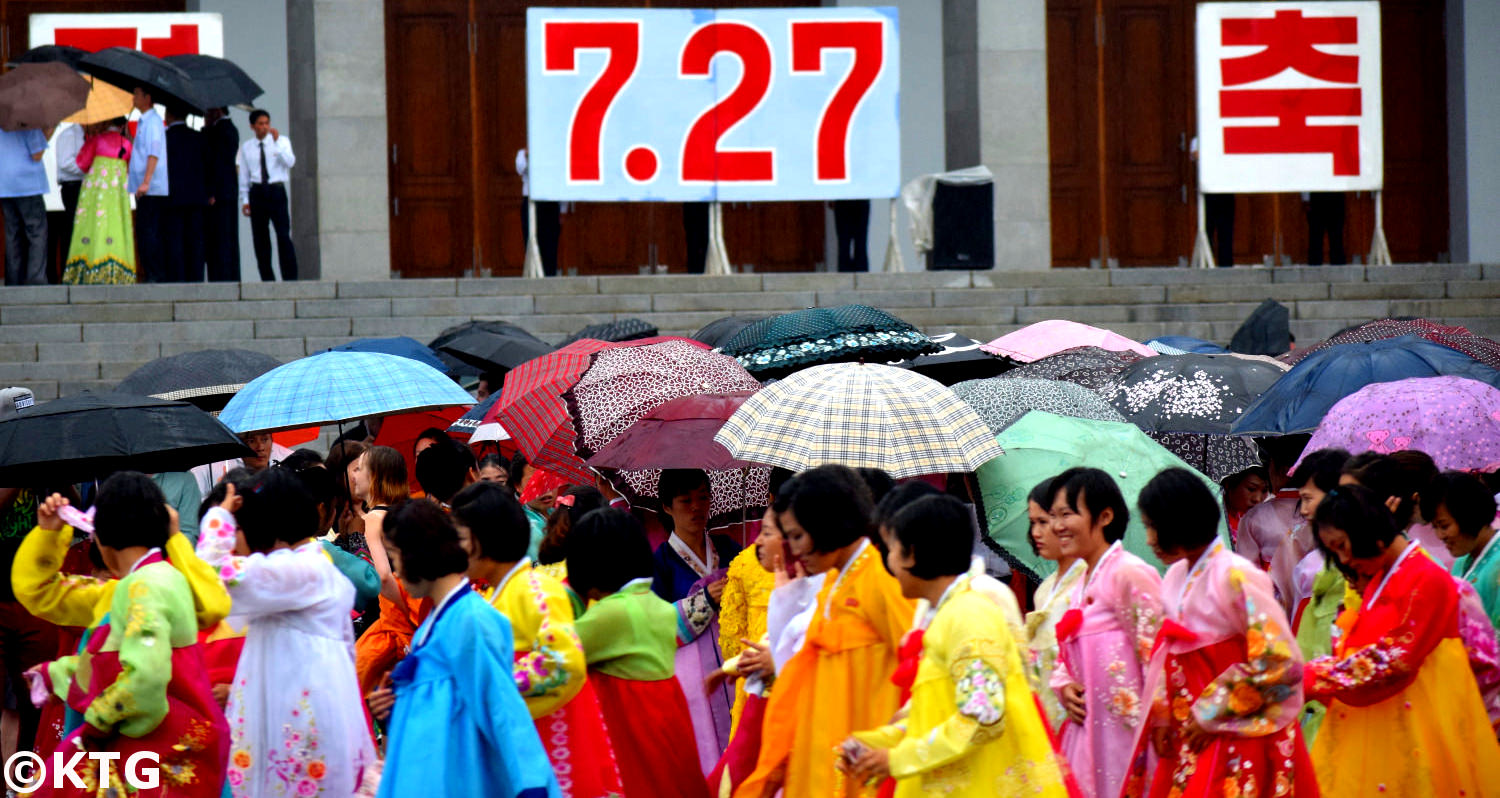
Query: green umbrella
x=1040 y=445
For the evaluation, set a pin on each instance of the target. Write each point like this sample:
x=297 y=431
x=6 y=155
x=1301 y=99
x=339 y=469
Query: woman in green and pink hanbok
x=102 y=251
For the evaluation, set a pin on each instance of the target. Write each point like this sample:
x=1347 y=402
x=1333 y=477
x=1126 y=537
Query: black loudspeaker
x=963 y=227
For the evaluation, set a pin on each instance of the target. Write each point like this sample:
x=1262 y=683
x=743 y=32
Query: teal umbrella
x=1040 y=445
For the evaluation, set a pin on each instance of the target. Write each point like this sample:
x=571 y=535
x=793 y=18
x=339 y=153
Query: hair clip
x=565 y=501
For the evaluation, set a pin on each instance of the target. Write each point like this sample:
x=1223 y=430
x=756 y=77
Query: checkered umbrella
x=860 y=415
x=334 y=387
x=531 y=407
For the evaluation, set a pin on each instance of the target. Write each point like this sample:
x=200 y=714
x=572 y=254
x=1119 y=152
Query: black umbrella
x=89 y=436
x=1204 y=394
x=208 y=379
x=490 y=346
x=1267 y=331
x=53 y=52
x=38 y=96
x=1218 y=456
x=219 y=83
x=1090 y=366
x=719 y=331
x=783 y=344
x=614 y=331
x=129 y=69
x=960 y=360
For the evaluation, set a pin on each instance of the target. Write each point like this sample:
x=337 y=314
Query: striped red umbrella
x=532 y=410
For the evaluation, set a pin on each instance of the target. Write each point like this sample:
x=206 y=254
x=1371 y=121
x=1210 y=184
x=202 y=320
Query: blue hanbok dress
x=460 y=727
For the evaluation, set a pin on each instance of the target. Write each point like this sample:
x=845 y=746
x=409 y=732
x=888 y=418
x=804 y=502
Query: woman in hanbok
x=1224 y=687
x=629 y=637
x=690 y=570
x=378 y=479
x=550 y=669
x=296 y=720
x=1105 y=636
x=103 y=247
x=1404 y=712
x=139 y=680
x=459 y=728
x=1051 y=600
x=840 y=680
x=1462 y=509
x=973 y=727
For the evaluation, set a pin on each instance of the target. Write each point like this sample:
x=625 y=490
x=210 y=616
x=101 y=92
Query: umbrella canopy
x=859 y=415
x=38 y=96
x=334 y=387
x=1185 y=345
x=623 y=384
x=207 y=379
x=1039 y=446
x=89 y=436
x=782 y=344
x=129 y=69
x=1036 y=341
x=1089 y=366
x=719 y=331
x=1454 y=420
x=466 y=424
x=1218 y=456
x=400 y=346
x=490 y=346
x=1303 y=396
x=1482 y=349
x=960 y=359
x=105 y=102
x=1189 y=393
x=400 y=431
x=217 y=82
x=615 y=331
x=1001 y=402
x=1267 y=331
x=532 y=410
x=47 y=53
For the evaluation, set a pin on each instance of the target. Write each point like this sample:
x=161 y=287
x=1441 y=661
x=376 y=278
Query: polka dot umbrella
x=1456 y=421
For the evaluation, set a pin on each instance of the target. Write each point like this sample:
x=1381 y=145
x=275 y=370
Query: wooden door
x=431 y=163
x=1073 y=131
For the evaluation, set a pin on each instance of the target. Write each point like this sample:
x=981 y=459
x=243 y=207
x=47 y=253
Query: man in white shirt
x=265 y=164
x=69 y=180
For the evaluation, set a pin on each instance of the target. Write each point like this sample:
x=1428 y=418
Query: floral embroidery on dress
x=297 y=765
x=980 y=692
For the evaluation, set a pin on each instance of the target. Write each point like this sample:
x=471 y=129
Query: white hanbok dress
x=296 y=718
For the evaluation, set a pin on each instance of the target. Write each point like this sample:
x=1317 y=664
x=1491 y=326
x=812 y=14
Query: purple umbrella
x=1453 y=419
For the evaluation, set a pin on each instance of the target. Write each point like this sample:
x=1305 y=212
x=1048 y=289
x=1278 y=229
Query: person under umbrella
x=102 y=247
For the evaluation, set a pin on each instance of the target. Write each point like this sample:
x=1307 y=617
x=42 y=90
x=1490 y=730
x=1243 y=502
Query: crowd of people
x=327 y=627
x=190 y=188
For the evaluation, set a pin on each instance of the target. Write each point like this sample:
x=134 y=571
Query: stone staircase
x=58 y=340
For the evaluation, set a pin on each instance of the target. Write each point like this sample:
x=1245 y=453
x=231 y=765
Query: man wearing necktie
x=265 y=164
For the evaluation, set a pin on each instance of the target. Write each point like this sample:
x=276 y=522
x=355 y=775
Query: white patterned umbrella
x=863 y=416
x=1000 y=402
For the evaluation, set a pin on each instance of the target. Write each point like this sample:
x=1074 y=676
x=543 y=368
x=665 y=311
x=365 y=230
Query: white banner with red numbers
x=1289 y=97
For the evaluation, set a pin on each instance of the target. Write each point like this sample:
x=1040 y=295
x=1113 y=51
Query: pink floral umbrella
x=1056 y=335
x=1454 y=420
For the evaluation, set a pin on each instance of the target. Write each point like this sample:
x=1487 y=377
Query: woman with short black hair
x=1462 y=509
x=1224 y=684
x=1399 y=683
x=1051 y=599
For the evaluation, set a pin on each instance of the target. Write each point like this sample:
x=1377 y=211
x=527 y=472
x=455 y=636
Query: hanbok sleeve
x=1263 y=694
x=734 y=615
x=258 y=584
x=40 y=586
x=1409 y=630
x=359 y=572
x=136 y=702
x=553 y=671
x=1138 y=606
x=888 y=612
x=695 y=613
x=977 y=667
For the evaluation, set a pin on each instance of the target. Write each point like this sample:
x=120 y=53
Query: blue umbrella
x=401 y=346
x=1297 y=402
x=1185 y=345
x=470 y=421
x=334 y=387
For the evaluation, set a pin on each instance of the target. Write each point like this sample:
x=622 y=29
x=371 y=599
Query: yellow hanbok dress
x=742 y=615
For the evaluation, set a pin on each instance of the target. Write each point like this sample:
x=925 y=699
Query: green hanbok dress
x=102 y=251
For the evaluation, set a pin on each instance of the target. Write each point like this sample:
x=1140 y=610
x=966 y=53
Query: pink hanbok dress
x=1105 y=641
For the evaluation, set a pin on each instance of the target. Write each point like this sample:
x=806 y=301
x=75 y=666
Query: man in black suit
x=187 y=199
x=221 y=222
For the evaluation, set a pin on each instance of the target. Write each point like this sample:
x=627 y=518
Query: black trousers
x=25 y=240
x=268 y=207
x=695 y=230
x=548 y=231
x=182 y=240
x=851 y=227
x=150 y=252
x=221 y=240
x=1325 y=216
x=63 y=233
x=1218 y=225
